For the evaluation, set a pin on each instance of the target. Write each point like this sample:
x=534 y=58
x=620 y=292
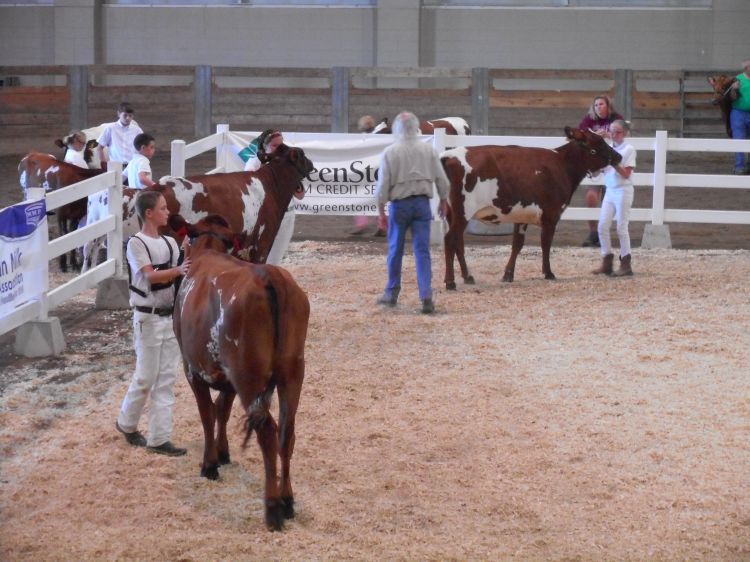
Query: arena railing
x=37 y=311
x=661 y=145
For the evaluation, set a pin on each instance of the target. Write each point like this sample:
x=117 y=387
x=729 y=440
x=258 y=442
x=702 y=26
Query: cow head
x=88 y=149
x=723 y=90
x=285 y=155
x=597 y=154
x=210 y=233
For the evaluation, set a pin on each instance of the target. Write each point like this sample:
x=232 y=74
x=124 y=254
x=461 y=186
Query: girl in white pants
x=618 y=200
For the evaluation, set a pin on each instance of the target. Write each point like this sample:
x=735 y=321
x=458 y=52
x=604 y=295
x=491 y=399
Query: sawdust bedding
x=582 y=419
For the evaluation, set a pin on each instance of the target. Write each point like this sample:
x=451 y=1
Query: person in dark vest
x=154 y=265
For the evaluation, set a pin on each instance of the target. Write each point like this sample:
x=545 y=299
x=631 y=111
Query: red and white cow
x=38 y=169
x=452 y=126
x=496 y=184
x=242 y=328
x=254 y=203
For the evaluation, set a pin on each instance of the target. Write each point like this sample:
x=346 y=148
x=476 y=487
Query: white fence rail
x=111 y=226
x=660 y=145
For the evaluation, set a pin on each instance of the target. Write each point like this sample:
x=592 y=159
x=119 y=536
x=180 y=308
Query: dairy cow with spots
x=496 y=184
x=253 y=203
x=241 y=328
x=452 y=126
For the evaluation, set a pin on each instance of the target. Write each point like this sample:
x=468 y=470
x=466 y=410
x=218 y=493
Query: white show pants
x=617 y=203
x=281 y=242
x=157 y=353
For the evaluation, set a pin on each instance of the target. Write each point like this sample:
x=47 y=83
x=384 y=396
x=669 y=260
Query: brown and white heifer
x=520 y=185
x=724 y=95
x=241 y=328
x=452 y=126
x=254 y=203
x=38 y=169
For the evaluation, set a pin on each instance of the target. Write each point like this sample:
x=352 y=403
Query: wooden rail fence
x=38 y=104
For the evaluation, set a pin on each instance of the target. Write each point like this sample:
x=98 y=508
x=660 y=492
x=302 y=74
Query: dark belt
x=155 y=310
x=411 y=197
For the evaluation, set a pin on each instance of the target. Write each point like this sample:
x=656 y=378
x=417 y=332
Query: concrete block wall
x=87 y=31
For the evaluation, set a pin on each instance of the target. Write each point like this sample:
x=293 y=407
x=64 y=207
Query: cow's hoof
x=470 y=280
x=450 y=286
x=288 y=507
x=210 y=472
x=224 y=457
x=274 y=515
x=508 y=278
x=550 y=276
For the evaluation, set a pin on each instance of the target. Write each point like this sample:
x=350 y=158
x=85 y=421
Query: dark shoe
x=740 y=172
x=427 y=306
x=592 y=240
x=358 y=232
x=390 y=300
x=380 y=233
x=134 y=438
x=625 y=267
x=606 y=267
x=167 y=449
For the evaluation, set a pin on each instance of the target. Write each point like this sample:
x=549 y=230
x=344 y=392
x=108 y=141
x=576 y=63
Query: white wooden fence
x=110 y=226
x=661 y=145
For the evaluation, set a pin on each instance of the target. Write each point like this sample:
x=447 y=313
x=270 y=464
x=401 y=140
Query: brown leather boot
x=624 y=267
x=606 y=267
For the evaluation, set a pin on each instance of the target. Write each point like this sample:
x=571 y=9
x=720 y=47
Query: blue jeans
x=740 y=123
x=414 y=213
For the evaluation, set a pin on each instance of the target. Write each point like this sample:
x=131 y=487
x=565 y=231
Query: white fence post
x=656 y=234
x=221 y=150
x=113 y=293
x=178 y=159
x=114 y=238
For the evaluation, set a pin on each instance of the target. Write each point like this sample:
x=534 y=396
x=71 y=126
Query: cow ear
x=59 y=143
x=177 y=222
x=573 y=134
x=711 y=80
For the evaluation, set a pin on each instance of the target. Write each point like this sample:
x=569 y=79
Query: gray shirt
x=409 y=168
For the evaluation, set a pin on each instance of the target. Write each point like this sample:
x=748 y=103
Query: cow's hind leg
x=223 y=410
x=210 y=466
x=259 y=418
x=548 y=233
x=519 y=236
x=289 y=389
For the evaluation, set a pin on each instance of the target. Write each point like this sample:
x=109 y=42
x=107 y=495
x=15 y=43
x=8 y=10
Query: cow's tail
x=257 y=414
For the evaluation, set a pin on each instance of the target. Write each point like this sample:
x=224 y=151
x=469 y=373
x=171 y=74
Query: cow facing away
x=241 y=328
x=724 y=95
x=520 y=185
x=452 y=126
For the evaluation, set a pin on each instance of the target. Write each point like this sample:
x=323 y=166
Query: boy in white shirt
x=138 y=171
x=154 y=266
x=118 y=137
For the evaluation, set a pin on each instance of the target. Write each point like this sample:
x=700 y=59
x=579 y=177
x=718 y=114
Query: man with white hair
x=739 y=118
x=408 y=169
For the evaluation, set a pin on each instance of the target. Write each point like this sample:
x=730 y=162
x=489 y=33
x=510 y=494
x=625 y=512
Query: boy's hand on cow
x=184 y=267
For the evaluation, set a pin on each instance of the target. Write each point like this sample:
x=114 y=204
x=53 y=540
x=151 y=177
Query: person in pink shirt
x=598 y=119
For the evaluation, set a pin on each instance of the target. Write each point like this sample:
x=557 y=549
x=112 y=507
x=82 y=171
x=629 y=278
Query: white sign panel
x=23 y=267
x=345 y=175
